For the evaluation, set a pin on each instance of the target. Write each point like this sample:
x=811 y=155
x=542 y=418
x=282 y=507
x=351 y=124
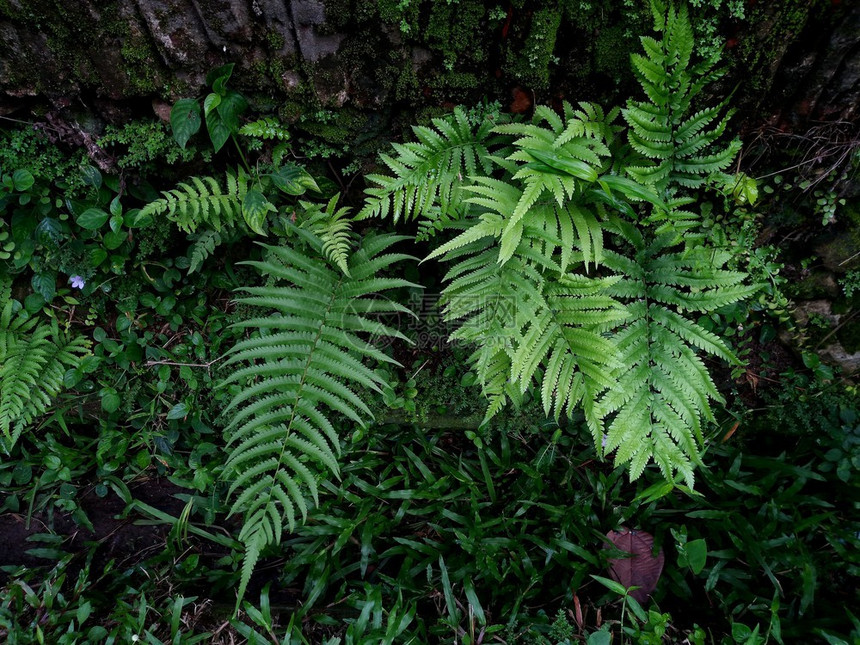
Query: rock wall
x=797 y=59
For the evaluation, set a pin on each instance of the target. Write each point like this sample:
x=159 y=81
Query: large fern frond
x=301 y=369
x=658 y=401
x=531 y=328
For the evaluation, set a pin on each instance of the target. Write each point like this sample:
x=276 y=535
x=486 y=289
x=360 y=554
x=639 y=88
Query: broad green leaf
x=110 y=400
x=178 y=411
x=91 y=176
x=631 y=189
x=293 y=180
x=230 y=107
x=211 y=102
x=219 y=132
x=697 y=554
x=115 y=207
x=92 y=219
x=222 y=73
x=185 y=120
x=599 y=638
x=49 y=231
x=255 y=206
x=745 y=189
x=566 y=165
x=114 y=239
x=97 y=256
x=612 y=585
x=22 y=180
x=45 y=284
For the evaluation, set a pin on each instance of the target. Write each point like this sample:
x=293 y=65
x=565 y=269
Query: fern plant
x=34 y=356
x=660 y=394
x=300 y=370
x=578 y=268
x=210 y=212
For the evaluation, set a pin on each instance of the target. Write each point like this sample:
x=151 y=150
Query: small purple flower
x=77 y=281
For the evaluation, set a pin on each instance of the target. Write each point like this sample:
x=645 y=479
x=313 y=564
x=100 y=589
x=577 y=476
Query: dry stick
x=175 y=364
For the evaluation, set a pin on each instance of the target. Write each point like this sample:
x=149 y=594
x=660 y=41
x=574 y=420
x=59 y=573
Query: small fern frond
x=426 y=176
x=334 y=228
x=202 y=203
x=266 y=128
x=681 y=146
x=204 y=244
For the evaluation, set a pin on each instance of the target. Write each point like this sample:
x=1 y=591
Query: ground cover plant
x=239 y=361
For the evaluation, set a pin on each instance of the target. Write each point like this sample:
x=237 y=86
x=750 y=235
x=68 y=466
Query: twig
x=206 y=365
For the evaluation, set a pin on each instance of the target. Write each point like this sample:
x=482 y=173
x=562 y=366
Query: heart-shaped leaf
x=255 y=206
x=218 y=130
x=230 y=107
x=293 y=179
x=185 y=120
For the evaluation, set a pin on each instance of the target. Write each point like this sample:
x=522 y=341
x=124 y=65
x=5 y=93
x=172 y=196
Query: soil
x=116 y=538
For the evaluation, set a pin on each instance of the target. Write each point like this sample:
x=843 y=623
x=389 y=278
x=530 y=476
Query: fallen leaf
x=641 y=569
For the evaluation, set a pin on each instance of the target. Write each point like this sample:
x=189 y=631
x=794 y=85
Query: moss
x=455 y=30
x=531 y=66
x=612 y=49
x=138 y=57
x=403 y=13
x=274 y=40
x=819 y=284
x=407 y=87
x=774 y=25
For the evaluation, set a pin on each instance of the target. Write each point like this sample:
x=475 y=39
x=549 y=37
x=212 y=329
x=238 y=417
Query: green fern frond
x=303 y=370
x=333 y=227
x=656 y=406
x=204 y=244
x=34 y=357
x=202 y=203
x=426 y=176
x=681 y=146
x=266 y=128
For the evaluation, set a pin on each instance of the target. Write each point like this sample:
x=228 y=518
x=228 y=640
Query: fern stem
x=241 y=154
